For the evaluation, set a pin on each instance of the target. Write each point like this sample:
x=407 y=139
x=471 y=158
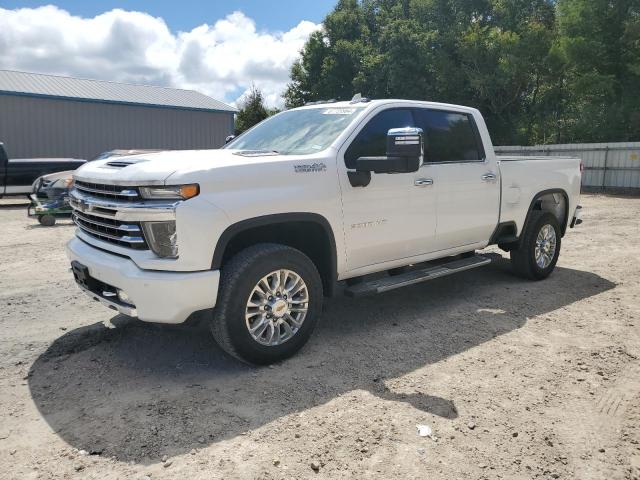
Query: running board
x=416 y=276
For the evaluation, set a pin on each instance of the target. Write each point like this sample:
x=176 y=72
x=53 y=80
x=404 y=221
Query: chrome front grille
x=124 y=233
x=111 y=214
x=111 y=192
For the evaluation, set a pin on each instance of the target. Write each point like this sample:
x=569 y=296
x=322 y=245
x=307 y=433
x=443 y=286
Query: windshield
x=297 y=131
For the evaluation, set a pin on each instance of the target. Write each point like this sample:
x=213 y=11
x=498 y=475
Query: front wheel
x=537 y=255
x=268 y=305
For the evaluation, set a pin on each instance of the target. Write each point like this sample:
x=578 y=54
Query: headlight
x=162 y=238
x=170 y=192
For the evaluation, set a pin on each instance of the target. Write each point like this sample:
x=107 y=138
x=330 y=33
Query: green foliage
x=599 y=44
x=252 y=110
x=541 y=71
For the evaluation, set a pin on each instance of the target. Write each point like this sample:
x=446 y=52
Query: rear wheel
x=268 y=304
x=537 y=255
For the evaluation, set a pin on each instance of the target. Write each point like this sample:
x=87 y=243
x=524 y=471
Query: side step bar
x=416 y=276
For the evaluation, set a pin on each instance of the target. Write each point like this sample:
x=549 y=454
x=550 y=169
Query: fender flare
x=232 y=230
x=537 y=197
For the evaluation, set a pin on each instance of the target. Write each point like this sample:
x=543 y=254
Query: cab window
x=372 y=139
x=449 y=136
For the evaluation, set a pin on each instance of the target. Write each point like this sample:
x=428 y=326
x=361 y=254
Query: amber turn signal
x=170 y=192
x=189 y=191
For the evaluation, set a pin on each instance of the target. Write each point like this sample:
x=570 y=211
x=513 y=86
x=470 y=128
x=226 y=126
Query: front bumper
x=154 y=296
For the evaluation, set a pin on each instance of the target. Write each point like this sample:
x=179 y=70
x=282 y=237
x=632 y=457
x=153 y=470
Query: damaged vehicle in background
x=49 y=199
x=42 y=184
x=18 y=175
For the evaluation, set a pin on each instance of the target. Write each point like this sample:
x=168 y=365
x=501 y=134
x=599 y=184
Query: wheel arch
x=310 y=233
x=538 y=203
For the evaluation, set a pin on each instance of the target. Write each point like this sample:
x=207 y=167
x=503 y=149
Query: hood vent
x=118 y=164
x=256 y=153
x=122 y=163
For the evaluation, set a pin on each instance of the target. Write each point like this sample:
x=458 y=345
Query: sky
x=216 y=47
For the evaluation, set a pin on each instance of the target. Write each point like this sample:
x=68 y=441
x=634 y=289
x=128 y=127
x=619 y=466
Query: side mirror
x=229 y=138
x=405 y=150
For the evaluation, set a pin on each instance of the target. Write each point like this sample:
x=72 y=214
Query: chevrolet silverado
x=371 y=195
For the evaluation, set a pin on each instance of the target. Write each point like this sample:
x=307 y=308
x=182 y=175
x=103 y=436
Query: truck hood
x=156 y=168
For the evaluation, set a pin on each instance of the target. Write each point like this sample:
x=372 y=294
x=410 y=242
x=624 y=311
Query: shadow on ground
x=10 y=204
x=138 y=391
x=60 y=222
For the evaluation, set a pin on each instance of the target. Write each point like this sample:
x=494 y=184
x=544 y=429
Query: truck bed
x=525 y=177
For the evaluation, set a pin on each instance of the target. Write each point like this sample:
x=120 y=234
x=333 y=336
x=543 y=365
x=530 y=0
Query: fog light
x=124 y=298
x=162 y=238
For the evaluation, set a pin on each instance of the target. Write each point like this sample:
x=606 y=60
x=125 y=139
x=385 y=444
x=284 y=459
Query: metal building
x=52 y=116
x=608 y=167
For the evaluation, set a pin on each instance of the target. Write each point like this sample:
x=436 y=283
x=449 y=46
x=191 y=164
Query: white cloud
x=220 y=60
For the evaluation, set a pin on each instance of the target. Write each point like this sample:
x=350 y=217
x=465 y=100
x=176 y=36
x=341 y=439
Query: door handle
x=489 y=177
x=423 y=182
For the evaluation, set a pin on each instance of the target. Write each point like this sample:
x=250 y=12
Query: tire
x=523 y=259
x=47 y=220
x=238 y=283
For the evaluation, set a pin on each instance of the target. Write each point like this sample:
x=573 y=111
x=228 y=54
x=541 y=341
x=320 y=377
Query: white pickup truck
x=371 y=195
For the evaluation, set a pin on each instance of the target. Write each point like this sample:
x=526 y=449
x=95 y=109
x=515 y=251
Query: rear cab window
x=449 y=136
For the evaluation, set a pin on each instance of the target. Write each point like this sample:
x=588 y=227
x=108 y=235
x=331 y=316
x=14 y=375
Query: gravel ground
x=516 y=379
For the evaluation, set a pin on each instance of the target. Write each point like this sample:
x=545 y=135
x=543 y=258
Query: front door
x=383 y=221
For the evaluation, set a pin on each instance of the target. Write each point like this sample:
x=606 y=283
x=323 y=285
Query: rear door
x=466 y=183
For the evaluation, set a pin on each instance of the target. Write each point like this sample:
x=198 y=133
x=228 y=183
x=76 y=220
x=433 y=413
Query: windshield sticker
x=339 y=111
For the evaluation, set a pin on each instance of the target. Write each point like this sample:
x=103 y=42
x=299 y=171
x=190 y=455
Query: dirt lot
x=516 y=379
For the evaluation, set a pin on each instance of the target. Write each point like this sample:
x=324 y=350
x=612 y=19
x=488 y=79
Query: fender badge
x=316 y=167
x=374 y=223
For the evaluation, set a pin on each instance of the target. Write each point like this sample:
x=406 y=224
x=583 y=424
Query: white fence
x=608 y=166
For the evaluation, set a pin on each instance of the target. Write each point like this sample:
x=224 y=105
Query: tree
x=505 y=62
x=252 y=110
x=330 y=58
x=541 y=71
x=599 y=48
